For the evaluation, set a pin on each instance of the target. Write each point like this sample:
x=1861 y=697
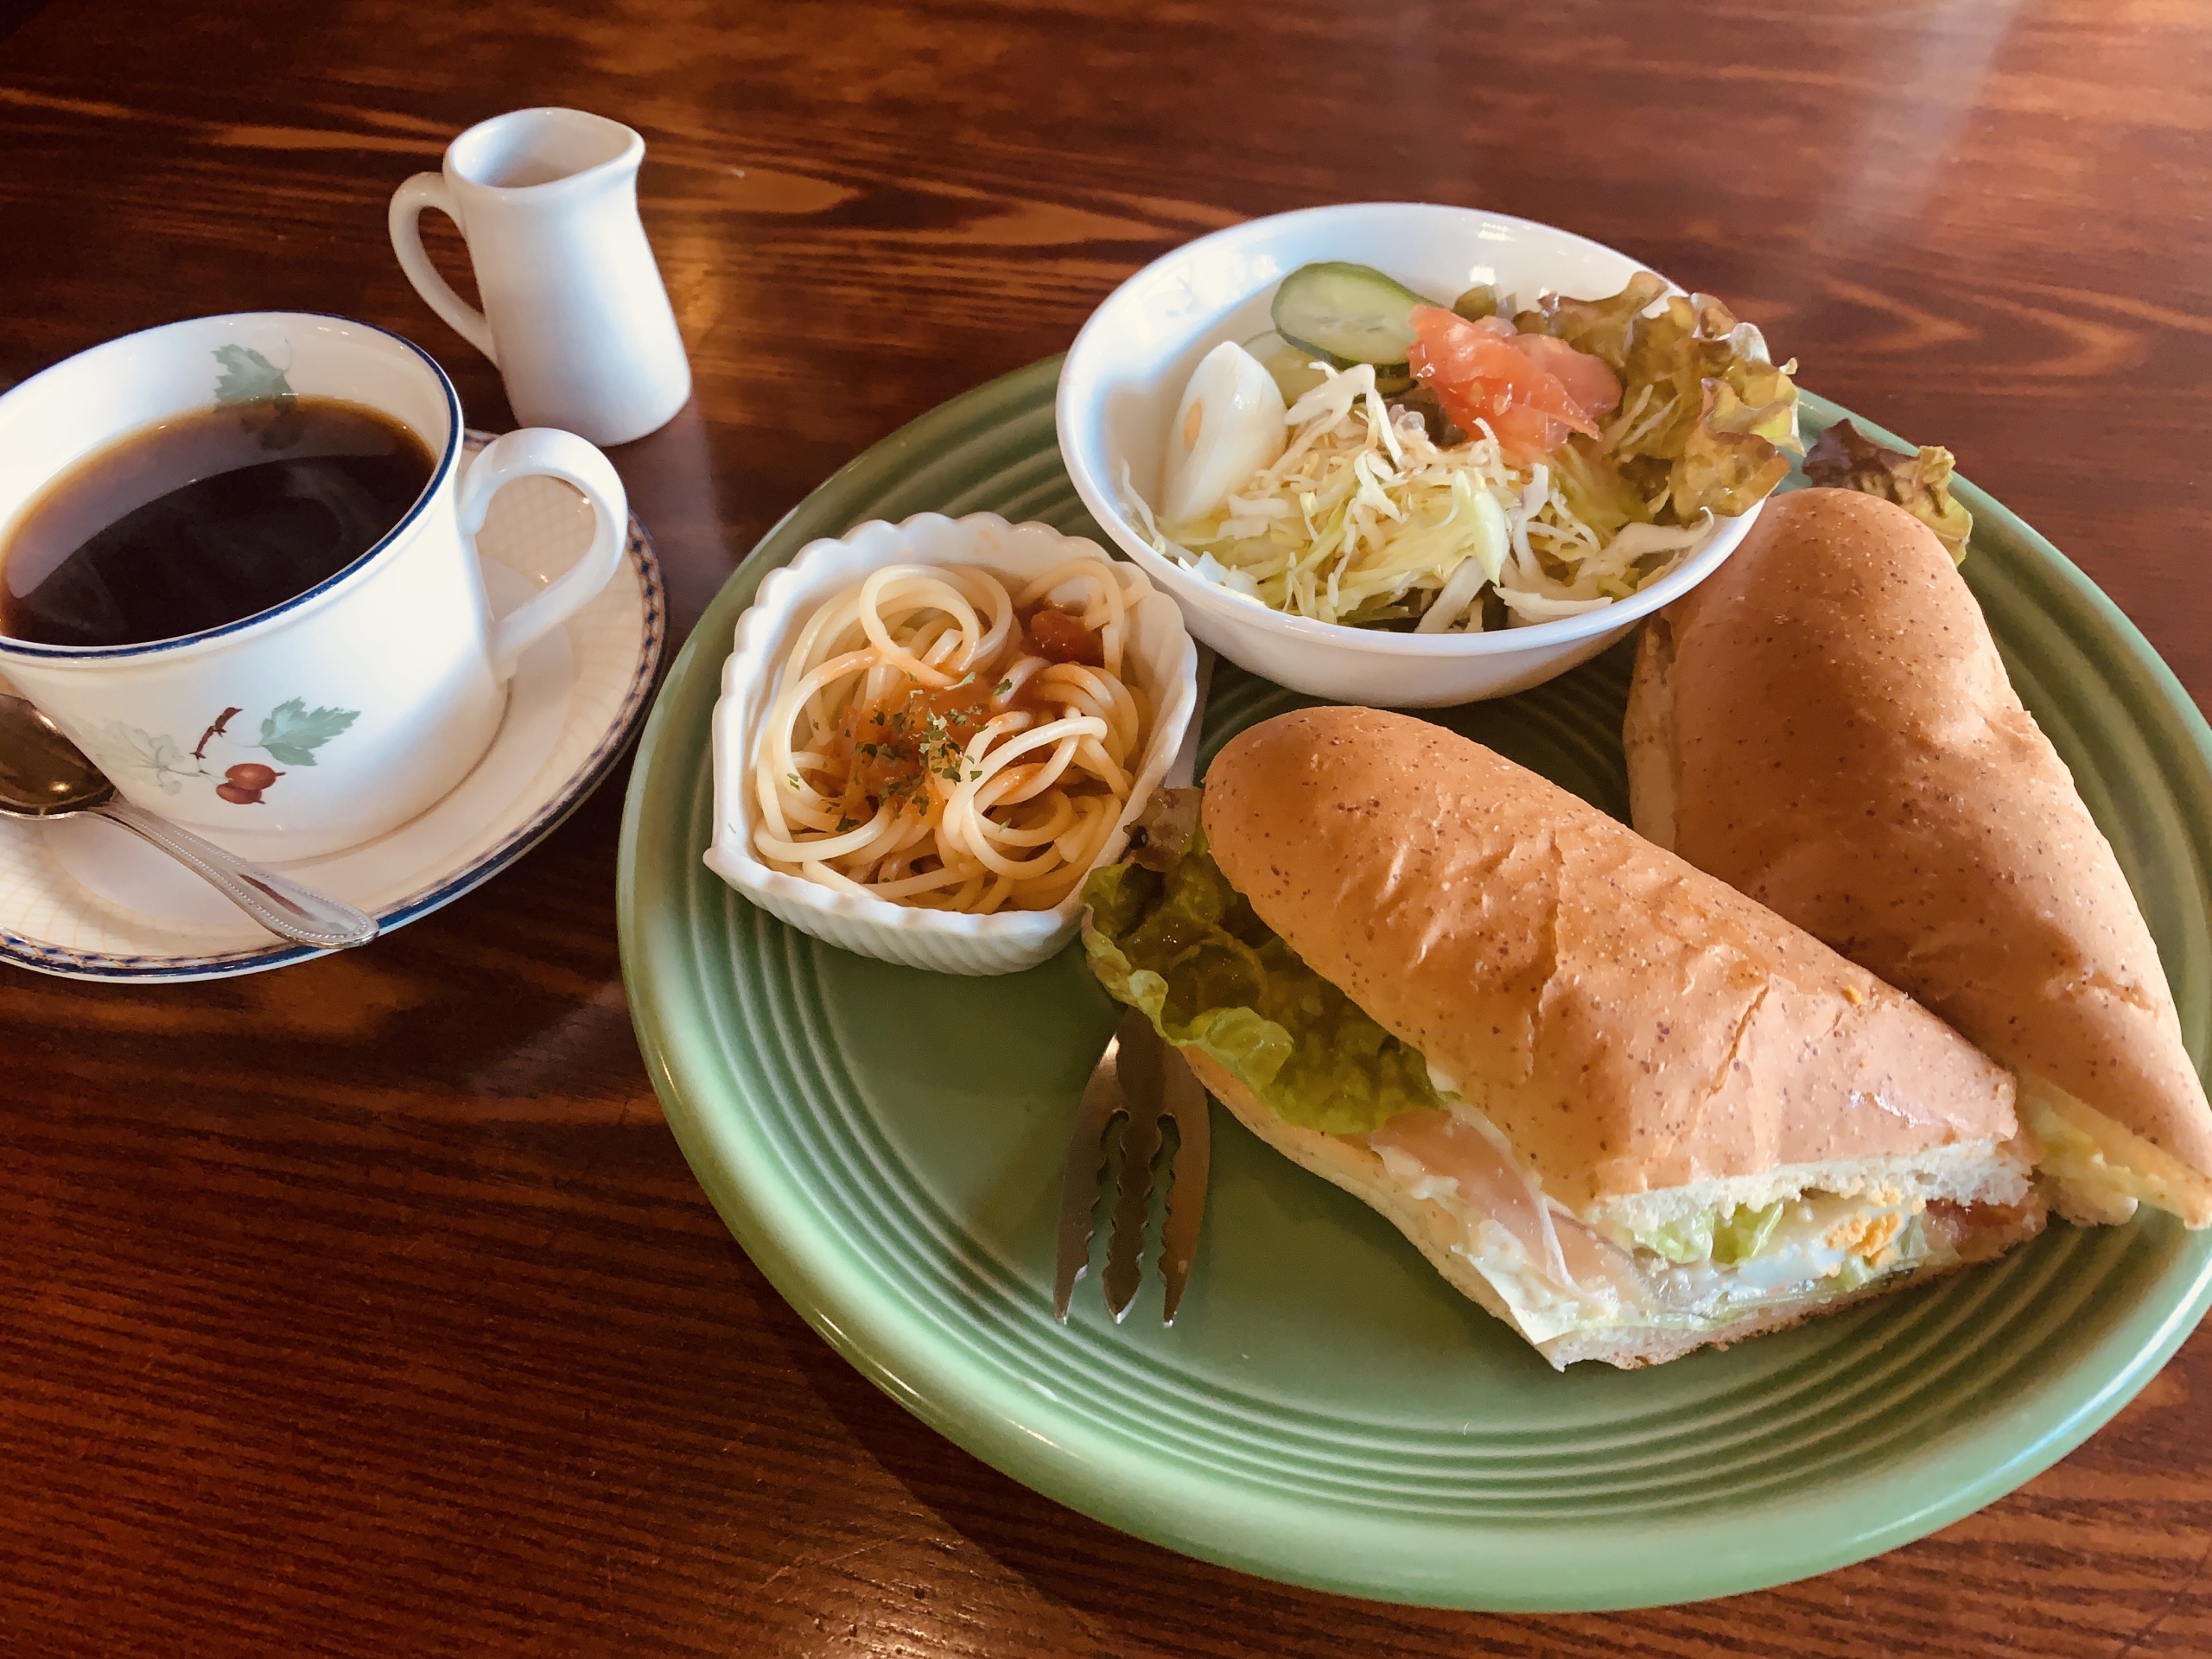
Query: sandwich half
x=1825 y=724
x=1627 y=1110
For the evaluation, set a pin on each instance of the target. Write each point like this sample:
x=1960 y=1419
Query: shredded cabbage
x=1366 y=519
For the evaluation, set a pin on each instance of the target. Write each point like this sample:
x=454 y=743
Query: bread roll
x=1825 y=724
x=1650 y=1040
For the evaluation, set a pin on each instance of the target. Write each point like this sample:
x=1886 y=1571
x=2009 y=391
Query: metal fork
x=1143 y=1080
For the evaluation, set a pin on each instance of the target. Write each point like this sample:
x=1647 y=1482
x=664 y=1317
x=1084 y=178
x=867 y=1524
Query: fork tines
x=1142 y=1079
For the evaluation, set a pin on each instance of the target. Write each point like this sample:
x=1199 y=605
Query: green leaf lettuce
x=1725 y=1239
x=1705 y=416
x=1186 y=948
x=1846 y=459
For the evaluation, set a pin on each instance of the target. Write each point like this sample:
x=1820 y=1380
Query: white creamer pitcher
x=575 y=316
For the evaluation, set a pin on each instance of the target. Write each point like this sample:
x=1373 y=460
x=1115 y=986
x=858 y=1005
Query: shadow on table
x=1136 y=1599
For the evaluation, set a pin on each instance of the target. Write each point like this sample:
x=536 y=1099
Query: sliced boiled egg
x=1228 y=428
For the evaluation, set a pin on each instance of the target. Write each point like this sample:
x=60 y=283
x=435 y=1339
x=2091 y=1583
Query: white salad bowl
x=1125 y=374
x=1162 y=669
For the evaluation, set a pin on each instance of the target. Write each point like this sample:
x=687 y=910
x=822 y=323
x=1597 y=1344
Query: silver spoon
x=44 y=775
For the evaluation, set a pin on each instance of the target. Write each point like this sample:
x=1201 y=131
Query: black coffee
x=206 y=518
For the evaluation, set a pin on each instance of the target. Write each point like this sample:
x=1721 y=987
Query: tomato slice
x=1476 y=376
x=1060 y=638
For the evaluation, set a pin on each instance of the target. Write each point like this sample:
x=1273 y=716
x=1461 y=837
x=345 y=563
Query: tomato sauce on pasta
x=945 y=736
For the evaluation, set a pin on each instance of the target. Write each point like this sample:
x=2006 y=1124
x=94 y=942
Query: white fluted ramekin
x=1160 y=663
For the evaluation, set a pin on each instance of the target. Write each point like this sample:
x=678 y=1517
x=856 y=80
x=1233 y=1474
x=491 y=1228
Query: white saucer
x=88 y=900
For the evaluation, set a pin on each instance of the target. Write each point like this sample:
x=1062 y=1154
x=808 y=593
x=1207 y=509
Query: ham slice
x=1472 y=1160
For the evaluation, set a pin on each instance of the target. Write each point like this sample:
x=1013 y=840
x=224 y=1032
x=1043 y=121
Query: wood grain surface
x=368 y=1308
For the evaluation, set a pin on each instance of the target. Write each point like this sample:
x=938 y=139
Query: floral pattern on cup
x=290 y=733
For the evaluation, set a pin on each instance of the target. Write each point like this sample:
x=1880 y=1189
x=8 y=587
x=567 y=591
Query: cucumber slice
x=1295 y=375
x=1351 y=313
x=1293 y=368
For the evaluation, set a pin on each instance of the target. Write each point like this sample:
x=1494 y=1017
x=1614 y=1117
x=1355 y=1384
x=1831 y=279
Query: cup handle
x=544 y=451
x=429 y=190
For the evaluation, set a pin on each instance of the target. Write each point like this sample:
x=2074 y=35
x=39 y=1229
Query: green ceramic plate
x=886 y=1144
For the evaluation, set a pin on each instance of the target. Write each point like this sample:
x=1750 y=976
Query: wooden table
x=367 y=1307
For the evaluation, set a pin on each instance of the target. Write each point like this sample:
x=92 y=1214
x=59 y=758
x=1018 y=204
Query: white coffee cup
x=575 y=316
x=372 y=694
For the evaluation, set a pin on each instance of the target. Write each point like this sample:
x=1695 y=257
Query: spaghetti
x=944 y=736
